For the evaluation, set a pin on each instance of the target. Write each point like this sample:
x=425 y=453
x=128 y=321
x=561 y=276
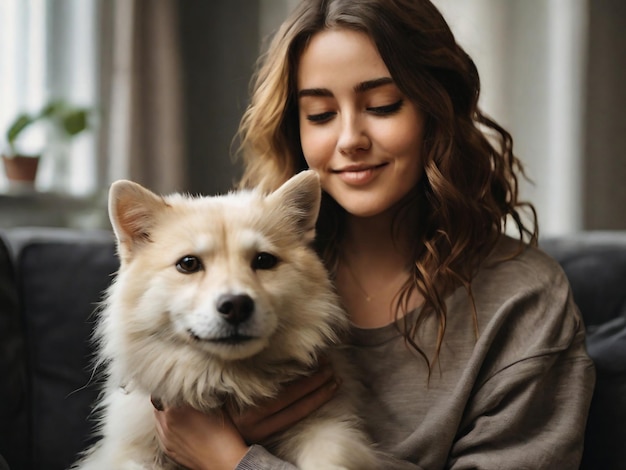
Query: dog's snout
x=235 y=308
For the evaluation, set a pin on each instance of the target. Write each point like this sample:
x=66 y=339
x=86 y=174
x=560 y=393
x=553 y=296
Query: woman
x=469 y=341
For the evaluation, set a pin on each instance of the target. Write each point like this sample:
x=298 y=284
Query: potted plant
x=65 y=121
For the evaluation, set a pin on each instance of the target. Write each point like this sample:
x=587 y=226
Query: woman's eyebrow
x=324 y=92
x=359 y=88
x=370 y=84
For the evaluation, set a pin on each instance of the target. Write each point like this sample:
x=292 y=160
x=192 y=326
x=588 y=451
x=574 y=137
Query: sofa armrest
x=13 y=382
x=60 y=277
x=595 y=264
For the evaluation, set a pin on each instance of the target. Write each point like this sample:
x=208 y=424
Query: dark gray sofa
x=52 y=279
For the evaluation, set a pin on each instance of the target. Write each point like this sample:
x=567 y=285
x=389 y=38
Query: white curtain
x=142 y=92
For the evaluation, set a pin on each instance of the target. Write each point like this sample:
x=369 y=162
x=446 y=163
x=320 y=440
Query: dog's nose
x=235 y=308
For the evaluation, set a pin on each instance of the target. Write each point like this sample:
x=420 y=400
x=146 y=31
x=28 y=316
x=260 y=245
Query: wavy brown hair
x=469 y=189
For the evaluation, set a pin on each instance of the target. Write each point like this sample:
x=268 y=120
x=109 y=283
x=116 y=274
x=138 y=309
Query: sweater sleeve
x=258 y=458
x=531 y=411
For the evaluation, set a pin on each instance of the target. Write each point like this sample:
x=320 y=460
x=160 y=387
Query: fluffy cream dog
x=219 y=297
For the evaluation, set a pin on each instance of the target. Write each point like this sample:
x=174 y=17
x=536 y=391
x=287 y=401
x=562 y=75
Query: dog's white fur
x=160 y=332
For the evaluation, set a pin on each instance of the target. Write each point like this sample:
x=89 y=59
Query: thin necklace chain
x=367 y=297
x=357 y=283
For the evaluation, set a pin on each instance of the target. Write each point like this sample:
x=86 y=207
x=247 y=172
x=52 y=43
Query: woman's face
x=358 y=131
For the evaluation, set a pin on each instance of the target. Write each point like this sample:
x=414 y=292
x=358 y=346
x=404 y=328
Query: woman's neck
x=373 y=268
x=374 y=239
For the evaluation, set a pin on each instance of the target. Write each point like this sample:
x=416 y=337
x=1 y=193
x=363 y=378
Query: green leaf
x=67 y=119
x=75 y=122
x=53 y=108
x=22 y=121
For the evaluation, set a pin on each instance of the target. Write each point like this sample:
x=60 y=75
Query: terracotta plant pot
x=21 y=168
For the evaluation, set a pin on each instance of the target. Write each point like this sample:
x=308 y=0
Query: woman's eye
x=264 y=260
x=188 y=264
x=387 y=109
x=321 y=117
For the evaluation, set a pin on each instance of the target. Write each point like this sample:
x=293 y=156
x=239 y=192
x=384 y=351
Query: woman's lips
x=359 y=175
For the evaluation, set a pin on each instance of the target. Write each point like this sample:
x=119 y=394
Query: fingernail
x=157 y=403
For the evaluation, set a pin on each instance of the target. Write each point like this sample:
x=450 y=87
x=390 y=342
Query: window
x=48 y=51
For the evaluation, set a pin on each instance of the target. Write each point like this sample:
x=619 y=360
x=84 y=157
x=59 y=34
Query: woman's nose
x=353 y=136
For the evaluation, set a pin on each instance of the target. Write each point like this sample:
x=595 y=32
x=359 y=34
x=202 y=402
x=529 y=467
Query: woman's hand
x=294 y=402
x=218 y=440
x=199 y=440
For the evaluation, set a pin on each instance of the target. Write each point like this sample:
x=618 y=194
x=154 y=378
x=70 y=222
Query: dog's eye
x=264 y=260
x=188 y=264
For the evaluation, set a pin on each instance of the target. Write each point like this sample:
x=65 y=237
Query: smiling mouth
x=358 y=175
x=359 y=169
x=232 y=339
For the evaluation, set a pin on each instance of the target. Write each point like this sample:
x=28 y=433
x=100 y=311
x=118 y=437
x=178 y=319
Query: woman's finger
x=292 y=392
x=298 y=410
x=293 y=403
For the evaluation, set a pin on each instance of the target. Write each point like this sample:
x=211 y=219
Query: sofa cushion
x=61 y=276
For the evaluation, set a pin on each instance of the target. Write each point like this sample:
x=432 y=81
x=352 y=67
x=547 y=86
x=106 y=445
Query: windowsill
x=28 y=207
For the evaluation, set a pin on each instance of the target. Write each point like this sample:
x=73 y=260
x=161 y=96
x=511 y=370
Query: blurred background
x=160 y=86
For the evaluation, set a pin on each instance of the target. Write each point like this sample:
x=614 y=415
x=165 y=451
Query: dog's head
x=225 y=278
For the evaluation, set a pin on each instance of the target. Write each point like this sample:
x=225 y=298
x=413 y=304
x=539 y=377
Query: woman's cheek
x=316 y=147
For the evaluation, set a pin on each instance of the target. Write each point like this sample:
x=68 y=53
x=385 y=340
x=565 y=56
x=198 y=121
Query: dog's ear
x=298 y=200
x=132 y=211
